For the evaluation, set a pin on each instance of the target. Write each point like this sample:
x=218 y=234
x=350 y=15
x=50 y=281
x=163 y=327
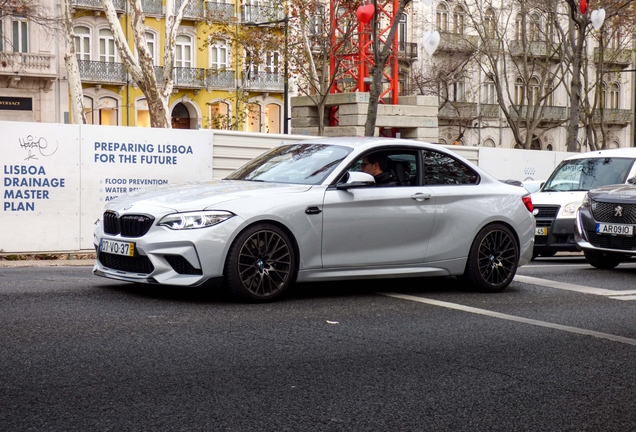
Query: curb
x=47 y=263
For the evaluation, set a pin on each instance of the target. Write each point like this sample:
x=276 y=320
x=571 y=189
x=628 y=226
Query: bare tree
x=312 y=48
x=141 y=66
x=78 y=109
x=381 y=53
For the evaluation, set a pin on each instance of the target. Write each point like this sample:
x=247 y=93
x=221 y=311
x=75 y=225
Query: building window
x=272 y=62
x=82 y=43
x=218 y=55
x=20 y=36
x=402 y=31
x=253 y=117
x=614 y=40
x=108 y=112
x=614 y=93
x=489 y=143
x=534 y=91
x=88 y=109
x=603 y=96
x=535 y=28
x=442 y=17
x=459 y=91
x=106 y=46
x=549 y=93
x=1 y=36
x=490 y=24
x=183 y=52
x=151 y=42
x=272 y=114
x=458 y=20
x=143 y=113
x=489 y=92
x=520 y=92
x=219 y=113
x=519 y=30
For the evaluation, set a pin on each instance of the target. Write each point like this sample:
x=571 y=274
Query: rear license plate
x=541 y=231
x=117 y=247
x=615 y=229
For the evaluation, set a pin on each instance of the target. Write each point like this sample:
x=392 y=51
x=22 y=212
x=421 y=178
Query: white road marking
x=499 y=315
x=630 y=297
x=571 y=287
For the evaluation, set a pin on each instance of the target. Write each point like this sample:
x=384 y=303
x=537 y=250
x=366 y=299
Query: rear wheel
x=602 y=260
x=492 y=260
x=261 y=263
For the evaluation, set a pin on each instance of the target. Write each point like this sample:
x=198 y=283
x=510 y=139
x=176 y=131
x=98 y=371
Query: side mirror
x=355 y=179
x=631 y=180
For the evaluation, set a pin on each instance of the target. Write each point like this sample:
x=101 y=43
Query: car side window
x=401 y=167
x=441 y=169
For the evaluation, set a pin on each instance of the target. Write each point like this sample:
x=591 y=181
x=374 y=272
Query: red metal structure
x=353 y=55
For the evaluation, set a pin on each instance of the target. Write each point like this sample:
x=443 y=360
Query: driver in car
x=379 y=167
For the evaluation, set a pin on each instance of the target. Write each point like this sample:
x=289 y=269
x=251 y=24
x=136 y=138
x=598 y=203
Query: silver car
x=307 y=212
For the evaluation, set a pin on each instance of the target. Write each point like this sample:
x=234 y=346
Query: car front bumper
x=587 y=239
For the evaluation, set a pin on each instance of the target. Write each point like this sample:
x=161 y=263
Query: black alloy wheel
x=260 y=264
x=492 y=260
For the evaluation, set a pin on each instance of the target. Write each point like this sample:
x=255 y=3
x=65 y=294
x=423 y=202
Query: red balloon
x=583 y=6
x=365 y=13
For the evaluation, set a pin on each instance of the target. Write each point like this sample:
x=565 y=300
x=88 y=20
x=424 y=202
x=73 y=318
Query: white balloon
x=427 y=2
x=597 y=18
x=431 y=41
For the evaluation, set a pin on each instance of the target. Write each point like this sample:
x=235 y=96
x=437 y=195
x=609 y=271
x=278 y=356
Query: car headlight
x=194 y=220
x=569 y=210
x=586 y=201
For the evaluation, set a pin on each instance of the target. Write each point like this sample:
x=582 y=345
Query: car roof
x=626 y=152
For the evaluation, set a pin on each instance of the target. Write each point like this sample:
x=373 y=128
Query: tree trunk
x=78 y=111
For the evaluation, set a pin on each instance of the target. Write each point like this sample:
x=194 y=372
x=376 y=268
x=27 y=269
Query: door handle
x=421 y=196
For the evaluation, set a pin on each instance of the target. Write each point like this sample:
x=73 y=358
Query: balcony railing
x=458 y=42
x=152 y=7
x=621 y=57
x=219 y=11
x=189 y=77
x=27 y=64
x=551 y=114
x=537 y=49
x=97 y=4
x=407 y=50
x=261 y=14
x=490 y=110
x=454 y=110
x=193 y=11
x=102 y=72
x=614 y=116
x=215 y=78
x=263 y=81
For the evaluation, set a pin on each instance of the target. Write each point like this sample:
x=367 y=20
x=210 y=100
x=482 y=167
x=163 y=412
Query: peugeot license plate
x=615 y=229
x=117 y=247
x=541 y=231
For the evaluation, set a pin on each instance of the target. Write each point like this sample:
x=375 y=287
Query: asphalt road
x=554 y=352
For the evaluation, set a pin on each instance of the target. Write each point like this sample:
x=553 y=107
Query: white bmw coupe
x=308 y=211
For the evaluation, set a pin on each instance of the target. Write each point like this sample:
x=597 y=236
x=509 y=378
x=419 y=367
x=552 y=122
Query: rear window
x=586 y=174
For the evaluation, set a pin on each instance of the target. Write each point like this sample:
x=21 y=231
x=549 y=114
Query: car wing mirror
x=631 y=180
x=356 y=179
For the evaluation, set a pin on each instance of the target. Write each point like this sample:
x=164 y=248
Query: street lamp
x=285 y=66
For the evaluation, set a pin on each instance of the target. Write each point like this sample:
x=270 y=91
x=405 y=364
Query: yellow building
x=214 y=86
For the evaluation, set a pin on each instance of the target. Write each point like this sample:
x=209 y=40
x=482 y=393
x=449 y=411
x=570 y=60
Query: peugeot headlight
x=569 y=210
x=194 y=220
x=586 y=201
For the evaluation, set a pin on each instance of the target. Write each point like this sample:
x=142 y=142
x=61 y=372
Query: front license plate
x=615 y=229
x=117 y=247
x=541 y=231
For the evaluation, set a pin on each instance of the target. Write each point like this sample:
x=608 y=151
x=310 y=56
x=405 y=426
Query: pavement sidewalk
x=46 y=263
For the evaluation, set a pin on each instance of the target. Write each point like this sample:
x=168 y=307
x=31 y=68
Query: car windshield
x=296 y=163
x=586 y=174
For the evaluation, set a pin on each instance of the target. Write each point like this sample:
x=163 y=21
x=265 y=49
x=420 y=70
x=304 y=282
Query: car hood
x=614 y=193
x=198 y=195
x=556 y=198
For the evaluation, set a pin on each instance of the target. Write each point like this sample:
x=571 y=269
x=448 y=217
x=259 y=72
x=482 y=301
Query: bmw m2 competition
x=329 y=209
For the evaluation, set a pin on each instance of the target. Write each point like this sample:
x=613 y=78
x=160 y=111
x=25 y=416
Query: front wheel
x=602 y=260
x=261 y=263
x=492 y=260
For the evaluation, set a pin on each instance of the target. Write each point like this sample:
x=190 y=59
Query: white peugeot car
x=307 y=212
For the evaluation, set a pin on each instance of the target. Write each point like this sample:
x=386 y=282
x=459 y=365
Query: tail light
x=527 y=201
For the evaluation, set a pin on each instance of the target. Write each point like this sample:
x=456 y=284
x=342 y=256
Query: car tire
x=547 y=254
x=492 y=260
x=602 y=260
x=261 y=264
